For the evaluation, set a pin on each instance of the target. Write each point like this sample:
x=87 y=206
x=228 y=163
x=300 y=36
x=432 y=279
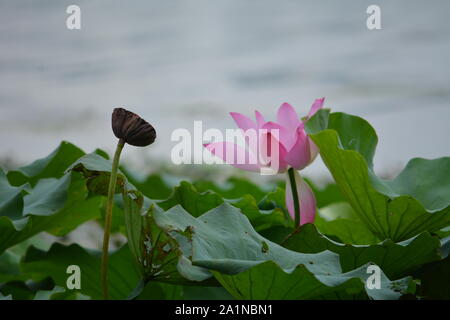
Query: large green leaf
x=160 y=291
x=326 y=195
x=42 y=197
x=435 y=277
x=52 y=166
x=122 y=279
x=233 y=188
x=10 y=259
x=9 y=268
x=191 y=200
x=197 y=203
x=223 y=240
x=417 y=200
x=166 y=291
x=7 y=297
x=395 y=259
x=54 y=205
x=59 y=293
x=269 y=281
x=339 y=221
x=25 y=290
x=205 y=293
x=11 y=201
x=18 y=290
x=154 y=186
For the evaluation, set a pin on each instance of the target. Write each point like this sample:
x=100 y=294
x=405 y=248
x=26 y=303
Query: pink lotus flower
x=285 y=143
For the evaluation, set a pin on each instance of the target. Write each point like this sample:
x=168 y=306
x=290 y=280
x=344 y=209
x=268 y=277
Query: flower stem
x=295 y=197
x=108 y=218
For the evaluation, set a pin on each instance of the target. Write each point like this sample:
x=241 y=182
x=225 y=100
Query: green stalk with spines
x=291 y=175
x=108 y=218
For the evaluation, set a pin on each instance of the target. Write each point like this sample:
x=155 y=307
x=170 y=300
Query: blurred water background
x=174 y=62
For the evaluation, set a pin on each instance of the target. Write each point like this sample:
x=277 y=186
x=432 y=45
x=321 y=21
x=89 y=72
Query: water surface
x=174 y=62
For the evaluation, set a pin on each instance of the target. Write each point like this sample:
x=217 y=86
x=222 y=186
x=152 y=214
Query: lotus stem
x=108 y=218
x=295 y=197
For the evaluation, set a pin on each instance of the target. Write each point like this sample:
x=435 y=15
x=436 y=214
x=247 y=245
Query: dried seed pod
x=132 y=129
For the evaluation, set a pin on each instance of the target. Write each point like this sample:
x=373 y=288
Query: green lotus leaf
x=53 y=205
x=443 y=233
x=52 y=166
x=123 y=275
x=395 y=259
x=59 y=293
x=43 y=197
x=233 y=188
x=160 y=291
x=340 y=222
x=8 y=297
x=434 y=277
x=17 y=290
x=197 y=203
x=153 y=186
x=166 y=291
x=10 y=259
x=9 y=268
x=268 y=281
x=224 y=242
x=417 y=200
